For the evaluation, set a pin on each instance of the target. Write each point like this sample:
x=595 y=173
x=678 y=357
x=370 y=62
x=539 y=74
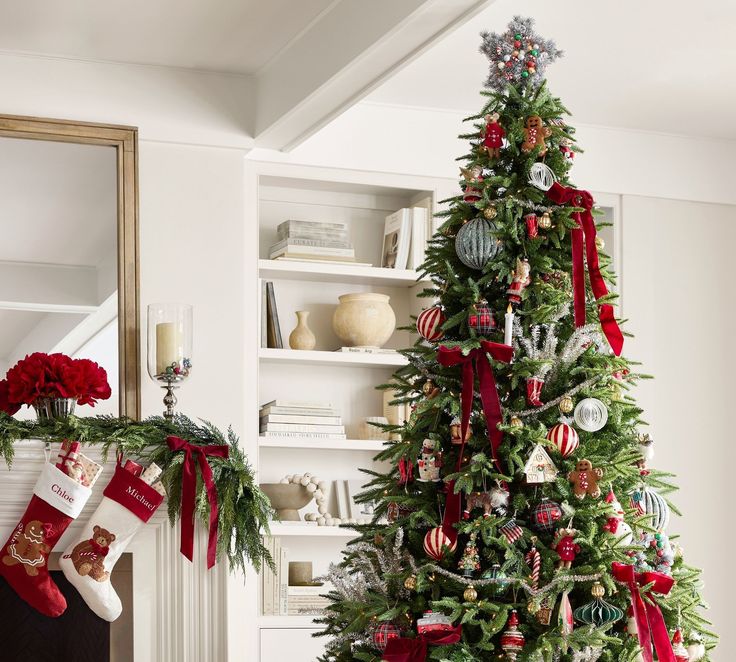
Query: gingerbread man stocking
x=57 y=500
x=128 y=503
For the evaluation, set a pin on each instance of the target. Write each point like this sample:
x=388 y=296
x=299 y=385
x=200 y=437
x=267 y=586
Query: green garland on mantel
x=245 y=511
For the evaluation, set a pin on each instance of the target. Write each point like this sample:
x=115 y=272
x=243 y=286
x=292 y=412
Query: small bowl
x=287 y=499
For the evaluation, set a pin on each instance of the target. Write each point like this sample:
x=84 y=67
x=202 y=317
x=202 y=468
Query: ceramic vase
x=302 y=337
x=364 y=319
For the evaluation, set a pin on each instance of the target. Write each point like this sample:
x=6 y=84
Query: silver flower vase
x=51 y=409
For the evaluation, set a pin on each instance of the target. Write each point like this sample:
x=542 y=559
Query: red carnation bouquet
x=41 y=375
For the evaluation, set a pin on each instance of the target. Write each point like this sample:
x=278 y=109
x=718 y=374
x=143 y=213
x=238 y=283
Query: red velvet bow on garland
x=475 y=361
x=584 y=237
x=189 y=493
x=403 y=649
x=650 y=623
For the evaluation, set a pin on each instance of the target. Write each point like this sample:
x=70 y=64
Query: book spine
x=303 y=435
x=293 y=427
x=309 y=591
x=319 y=251
x=296 y=411
x=275 y=590
x=284 y=584
x=367 y=350
x=268 y=581
x=310 y=225
x=298 y=403
x=264 y=316
x=301 y=420
x=312 y=243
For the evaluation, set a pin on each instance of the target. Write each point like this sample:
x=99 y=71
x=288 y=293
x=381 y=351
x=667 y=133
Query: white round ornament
x=696 y=651
x=541 y=176
x=591 y=414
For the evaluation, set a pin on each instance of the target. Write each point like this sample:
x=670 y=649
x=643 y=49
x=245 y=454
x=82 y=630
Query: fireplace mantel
x=179 y=607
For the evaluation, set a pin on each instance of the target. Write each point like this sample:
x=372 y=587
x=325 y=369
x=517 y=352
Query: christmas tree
x=520 y=509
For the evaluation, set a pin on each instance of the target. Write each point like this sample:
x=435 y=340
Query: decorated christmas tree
x=541 y=533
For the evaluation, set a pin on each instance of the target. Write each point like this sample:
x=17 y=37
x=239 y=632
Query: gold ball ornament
x=516 y=422
x=410 y=583
x=566 y=405
x=598 y=591
x=545 y=221
x=599 y=243
x=490 y=213
x=470 y=594
x=532 y=607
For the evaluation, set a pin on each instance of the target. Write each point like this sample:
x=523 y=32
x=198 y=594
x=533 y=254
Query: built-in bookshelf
x=282 y=192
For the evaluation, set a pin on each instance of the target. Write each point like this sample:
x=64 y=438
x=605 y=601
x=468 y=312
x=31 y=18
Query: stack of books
x=405 y=236
x=274 y=585
x=307 y=600
x=312 y=241
x=285 y=418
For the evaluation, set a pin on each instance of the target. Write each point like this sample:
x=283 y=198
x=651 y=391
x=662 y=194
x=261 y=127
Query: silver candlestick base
x=170 y=383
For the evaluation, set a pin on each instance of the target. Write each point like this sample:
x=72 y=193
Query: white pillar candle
x=168 y=346
x=508 y=329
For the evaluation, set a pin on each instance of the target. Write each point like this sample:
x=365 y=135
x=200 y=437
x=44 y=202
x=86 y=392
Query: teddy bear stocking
x=57 y=500
x=128 y=503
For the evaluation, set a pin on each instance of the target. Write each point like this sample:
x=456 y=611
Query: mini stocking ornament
x=57 y=500
x=128 y=503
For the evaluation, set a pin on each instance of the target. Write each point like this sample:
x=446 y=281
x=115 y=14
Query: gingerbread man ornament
x=535 y=132
x=585 y=480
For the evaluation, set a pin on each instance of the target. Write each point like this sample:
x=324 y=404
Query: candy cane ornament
x=534 y=559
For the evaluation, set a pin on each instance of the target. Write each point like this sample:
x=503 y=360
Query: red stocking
x=57 y=500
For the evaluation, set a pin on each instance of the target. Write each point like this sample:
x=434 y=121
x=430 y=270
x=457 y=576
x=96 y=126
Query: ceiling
x=656 y=66
x=237 y=36
x=58 y=202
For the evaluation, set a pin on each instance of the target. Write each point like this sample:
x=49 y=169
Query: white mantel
x=179 y=607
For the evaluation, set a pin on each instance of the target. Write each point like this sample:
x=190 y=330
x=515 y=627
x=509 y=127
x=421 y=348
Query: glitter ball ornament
x=598 y=612
x=429 y=323
x=516 y=422
x=546 y=515
x=565 y=438
x=481 y=318
x=490 y=213
x=512 y=641
x=647 y=501
x=437 y=545
x=410 y=583
x=545 y=221
x=566 y=405
x=470 y=594
x=591 y=415
x=476 y=243
x=383 y=634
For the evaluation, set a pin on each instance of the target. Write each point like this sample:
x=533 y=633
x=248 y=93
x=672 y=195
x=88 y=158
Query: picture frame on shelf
x=358 y=511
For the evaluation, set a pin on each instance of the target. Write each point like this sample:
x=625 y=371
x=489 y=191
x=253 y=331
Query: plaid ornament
x=383 y=633
x=546 y=515
x=481 y=319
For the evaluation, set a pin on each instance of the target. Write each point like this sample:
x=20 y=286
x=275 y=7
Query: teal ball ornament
x=477 y=243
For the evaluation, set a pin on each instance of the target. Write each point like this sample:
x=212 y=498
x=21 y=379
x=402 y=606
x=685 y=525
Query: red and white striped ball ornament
x=565 y=438
x=429 y=323
x=437 y=544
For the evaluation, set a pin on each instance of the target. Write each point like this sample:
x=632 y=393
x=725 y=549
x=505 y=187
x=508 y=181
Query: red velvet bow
x=189 y=490
x=649 y=620
x=584 y=237
x=403 y=649
x=475 y=361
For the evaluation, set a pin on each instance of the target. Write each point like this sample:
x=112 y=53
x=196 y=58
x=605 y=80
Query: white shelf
x=371 y=445
x=297 y=622
x=310 y=530
x=336 y=273
x=316 y=357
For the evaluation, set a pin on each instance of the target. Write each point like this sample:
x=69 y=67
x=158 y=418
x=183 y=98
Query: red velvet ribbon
x=403 y=649
x=583 y=237
x=649 y=620
x=189 y=493
x=476 y=361
x=406 y=471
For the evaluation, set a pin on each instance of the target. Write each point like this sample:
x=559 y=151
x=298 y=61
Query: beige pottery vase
x=364 y=319
x=302 y=337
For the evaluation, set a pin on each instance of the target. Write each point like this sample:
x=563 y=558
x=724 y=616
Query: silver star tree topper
x=519 y=55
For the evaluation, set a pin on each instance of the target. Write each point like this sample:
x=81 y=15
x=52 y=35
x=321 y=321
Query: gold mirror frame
x=125 y=141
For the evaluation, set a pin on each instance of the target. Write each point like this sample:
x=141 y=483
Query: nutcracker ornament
x=566 y=547
x=493 y=136
x=469 y=562
x=520 y=280
x=429 y=324
x=512 y=640
x=430 y=462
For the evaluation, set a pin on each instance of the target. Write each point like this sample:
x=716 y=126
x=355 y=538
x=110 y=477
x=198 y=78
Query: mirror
x=69 y=255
